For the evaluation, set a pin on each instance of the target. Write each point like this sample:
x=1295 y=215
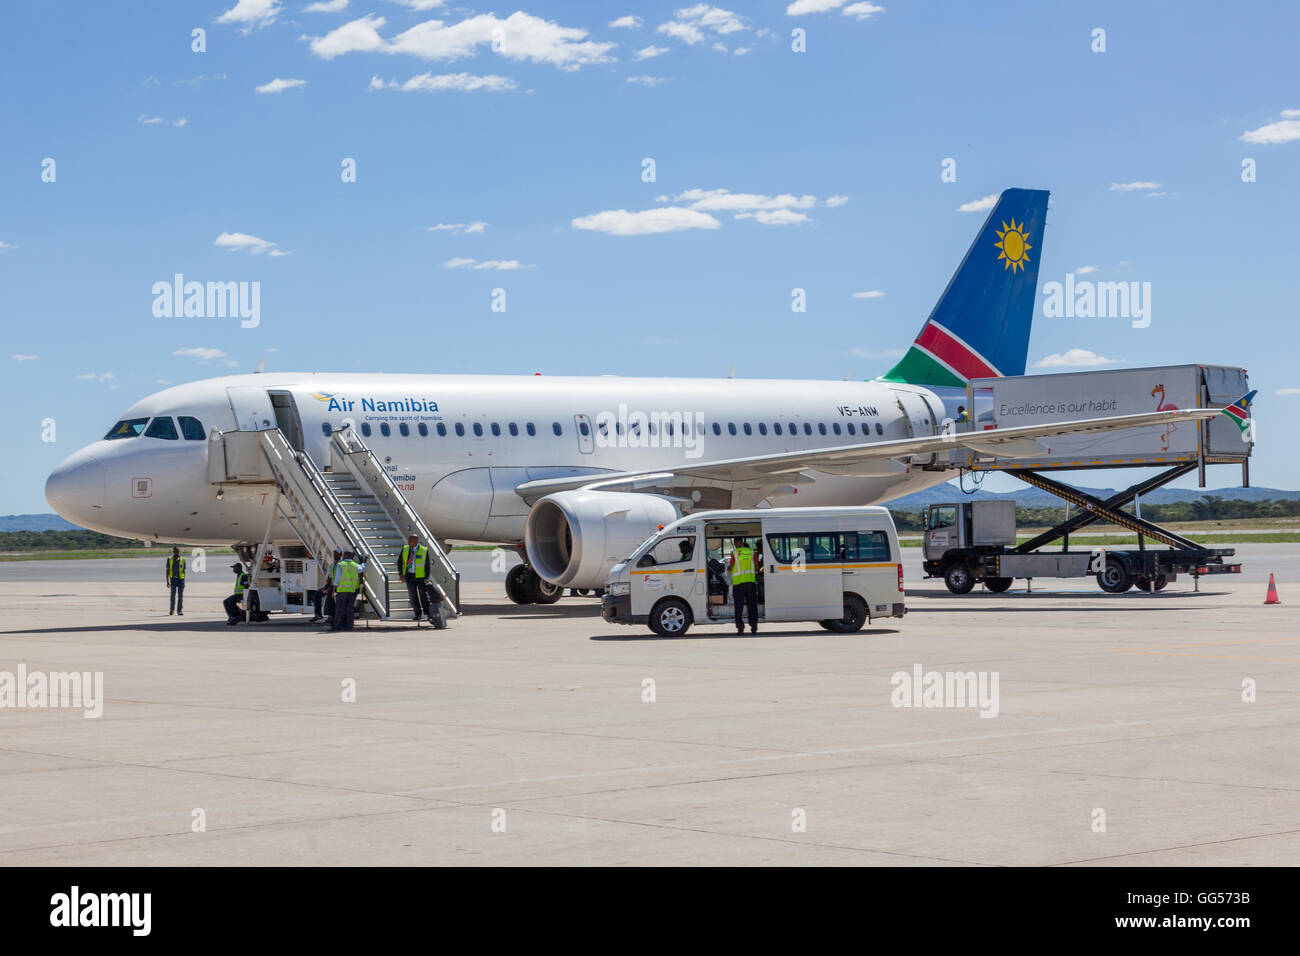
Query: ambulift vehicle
x=840 y=567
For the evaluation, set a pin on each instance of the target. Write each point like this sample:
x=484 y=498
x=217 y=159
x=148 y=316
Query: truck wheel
x=515 y=589
x=670 y=618
x=997 y=585
x=855 y=615
x=958 y=578
x=1161 y=581
x=1144 y=584
x=1115 y=578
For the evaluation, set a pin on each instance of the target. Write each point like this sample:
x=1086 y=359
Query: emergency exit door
x=586 y=439
x=252 y=408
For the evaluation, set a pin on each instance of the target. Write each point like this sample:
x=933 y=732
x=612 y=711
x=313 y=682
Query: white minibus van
x=840 y=567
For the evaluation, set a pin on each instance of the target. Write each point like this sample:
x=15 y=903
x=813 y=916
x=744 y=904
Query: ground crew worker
x=176 y=583
x=962 y=415
x=346 y=582
x=231 y=604
x=415 y=570
x=744 y=584
x=327 y=592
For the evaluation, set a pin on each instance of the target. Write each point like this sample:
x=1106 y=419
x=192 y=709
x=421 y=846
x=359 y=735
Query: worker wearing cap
x=176 y=583
x=231 y=603
x=744 y=584
x=327 y=592
x=347 y=582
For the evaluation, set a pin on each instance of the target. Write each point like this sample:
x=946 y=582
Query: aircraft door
x=252 y=408
x=287 y=418
x=586 y=437
x=921 y=420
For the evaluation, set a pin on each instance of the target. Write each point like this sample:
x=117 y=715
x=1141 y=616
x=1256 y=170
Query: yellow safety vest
x=169 y=568
x=241 y=582
x=349 y=577
x=743 y=573
x=421 y=552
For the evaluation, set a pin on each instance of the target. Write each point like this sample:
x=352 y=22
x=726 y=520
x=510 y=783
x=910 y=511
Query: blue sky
x=169 y=160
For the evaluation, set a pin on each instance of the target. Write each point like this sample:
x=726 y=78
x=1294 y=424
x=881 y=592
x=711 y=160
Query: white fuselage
x=462 y=482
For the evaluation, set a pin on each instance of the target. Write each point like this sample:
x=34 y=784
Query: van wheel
x=670 y=618
x=515 y=584
x=997 y=585
x=855 y=615
x=1115 y=578
x=958 y=578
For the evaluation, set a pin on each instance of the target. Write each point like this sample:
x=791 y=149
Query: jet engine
x=573 y=538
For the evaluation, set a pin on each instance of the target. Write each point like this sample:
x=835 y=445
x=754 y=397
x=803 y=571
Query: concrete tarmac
x=526 y=735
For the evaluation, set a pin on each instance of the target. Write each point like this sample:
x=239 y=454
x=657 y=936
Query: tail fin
x=980 y=327
x=1239 y=411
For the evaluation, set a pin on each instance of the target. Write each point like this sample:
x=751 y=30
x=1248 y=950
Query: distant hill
x=36 y=523
x=1029 y=497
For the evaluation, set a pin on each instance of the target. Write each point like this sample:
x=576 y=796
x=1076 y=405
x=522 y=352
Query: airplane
x=574 y=472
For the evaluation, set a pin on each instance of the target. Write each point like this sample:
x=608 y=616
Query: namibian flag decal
x=1239 y=412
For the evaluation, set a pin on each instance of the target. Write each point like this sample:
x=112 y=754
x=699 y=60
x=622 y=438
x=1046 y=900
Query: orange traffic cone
x=1271 y=597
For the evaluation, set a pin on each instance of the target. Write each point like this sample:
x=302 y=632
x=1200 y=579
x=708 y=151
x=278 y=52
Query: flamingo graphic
x=1164 y=406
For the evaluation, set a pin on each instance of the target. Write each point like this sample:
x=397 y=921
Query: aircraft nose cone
x=75 y=490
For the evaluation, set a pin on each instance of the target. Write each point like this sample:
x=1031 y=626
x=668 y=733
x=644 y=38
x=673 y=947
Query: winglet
x=1239 y=411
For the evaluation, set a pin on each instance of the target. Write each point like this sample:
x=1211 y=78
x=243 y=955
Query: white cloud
x=877 y=354
x=862 y=11
x=458 y=228
x=620 y=222
x=279 y=86
x=836 y=201
x=873 y=294
x=180 y=122
x=251 y=14
x=419 y=4
x=775 y=217
x=199 y=352
x=646 y=80
x=723 y=200
x=646 y=53
x=628 y=22
x=1074 y=358
x=326 y=6
x=979 y=205
x=1280 y=391
x=1134 y=186
x=430 y=83
x=1084 y=270
x=1285 y=130
x=741 y=50
x=235 y=241
x=691 y=23
x=149 y=120
x=24 y=358
x=1155 y=195
x=5 y=245
x=501 y=265
x=521 y=36
x=96 y=377
x=162 y=381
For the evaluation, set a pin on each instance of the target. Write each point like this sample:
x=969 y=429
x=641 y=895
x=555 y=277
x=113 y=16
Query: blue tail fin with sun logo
x=980 y=326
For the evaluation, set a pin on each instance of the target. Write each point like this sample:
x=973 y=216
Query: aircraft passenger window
x=618 y=428
x=651 y=426
x=835 y=427
x=405 y=429
x=582 y=427
x=326 y=429
x=852 y=430
x=442 y=430
x=514 y=430
x=748 y=429
x=365 y=429
x=668 y=427
x=555 y=427
x=821 y=428
x=731 y=428
x=423 y=429
x=530 y=429
x=478 y=429
x=128 y=428
x=762 y=428
x=384 y=429
x=496 y=430
x=162 y=428
x=717 y=428
x=192 y=428
x=460 y=429
x=807 y=428
x=879 y=430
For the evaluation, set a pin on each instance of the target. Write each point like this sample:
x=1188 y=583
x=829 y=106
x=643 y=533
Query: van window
x=127 y=428
x=192 y=428
x=820 y=547
x=675 y=549
x=162 y=427
x=866 y=546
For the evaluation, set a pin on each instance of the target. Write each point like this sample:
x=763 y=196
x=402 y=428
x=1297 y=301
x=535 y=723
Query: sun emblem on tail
x=1014 y=243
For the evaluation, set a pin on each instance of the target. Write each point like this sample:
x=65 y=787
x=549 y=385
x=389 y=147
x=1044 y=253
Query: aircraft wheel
x=958 y=578
x=541 y=592
x=515 y=584
x=997 y=585
x=671 y=617
x=1115 y=578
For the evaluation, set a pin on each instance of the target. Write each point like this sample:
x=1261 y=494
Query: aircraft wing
x=865 y=458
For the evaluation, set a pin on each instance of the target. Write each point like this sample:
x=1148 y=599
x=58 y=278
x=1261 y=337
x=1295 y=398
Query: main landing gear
x=524 y=586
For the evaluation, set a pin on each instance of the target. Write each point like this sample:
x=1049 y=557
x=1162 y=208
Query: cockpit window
x=127 y=428
x=191 y=428
x=162 y=427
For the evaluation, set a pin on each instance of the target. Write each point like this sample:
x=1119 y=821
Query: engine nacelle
x=573 y=538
